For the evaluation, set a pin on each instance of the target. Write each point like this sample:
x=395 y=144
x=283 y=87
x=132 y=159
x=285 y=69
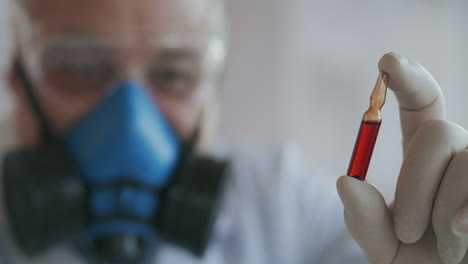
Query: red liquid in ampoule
x=363 y=149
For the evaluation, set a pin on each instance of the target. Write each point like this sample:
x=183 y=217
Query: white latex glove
x=428 y=221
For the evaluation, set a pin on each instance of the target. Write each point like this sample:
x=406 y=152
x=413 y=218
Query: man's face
x=84 y=48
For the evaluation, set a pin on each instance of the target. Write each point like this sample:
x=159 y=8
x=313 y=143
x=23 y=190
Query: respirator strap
x=46 y=132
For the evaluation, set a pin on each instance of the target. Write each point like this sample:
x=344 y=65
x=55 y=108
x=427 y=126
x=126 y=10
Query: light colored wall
x=303 y=70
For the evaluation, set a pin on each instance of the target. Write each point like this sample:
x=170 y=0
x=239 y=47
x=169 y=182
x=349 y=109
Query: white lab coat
x=274 y=212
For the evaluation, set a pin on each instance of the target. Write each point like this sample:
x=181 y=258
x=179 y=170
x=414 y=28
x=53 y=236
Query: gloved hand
x=428 y=220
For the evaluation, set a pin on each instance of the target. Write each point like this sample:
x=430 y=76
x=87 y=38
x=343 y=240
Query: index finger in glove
x=419 y=96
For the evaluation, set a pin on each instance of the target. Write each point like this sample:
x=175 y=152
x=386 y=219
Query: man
x=123 y=85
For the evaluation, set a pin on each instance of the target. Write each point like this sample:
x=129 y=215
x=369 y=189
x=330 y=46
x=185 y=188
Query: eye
x=177 y=78
x=73 y=70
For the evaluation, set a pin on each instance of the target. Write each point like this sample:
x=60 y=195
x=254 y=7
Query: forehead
x=140 y=20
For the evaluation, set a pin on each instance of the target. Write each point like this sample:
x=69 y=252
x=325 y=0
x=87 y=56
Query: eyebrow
x=179 y=53
x=163 y=53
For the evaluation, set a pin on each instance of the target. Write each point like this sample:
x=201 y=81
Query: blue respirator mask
x=118 y=182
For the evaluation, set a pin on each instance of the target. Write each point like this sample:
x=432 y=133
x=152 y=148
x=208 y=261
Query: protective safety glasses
x=76 y=67
x=69 y=56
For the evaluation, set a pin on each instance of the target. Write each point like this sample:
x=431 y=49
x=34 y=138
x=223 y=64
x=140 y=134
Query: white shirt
x=273 y=212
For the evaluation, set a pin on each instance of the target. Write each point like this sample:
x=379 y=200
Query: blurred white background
x=302 y=71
